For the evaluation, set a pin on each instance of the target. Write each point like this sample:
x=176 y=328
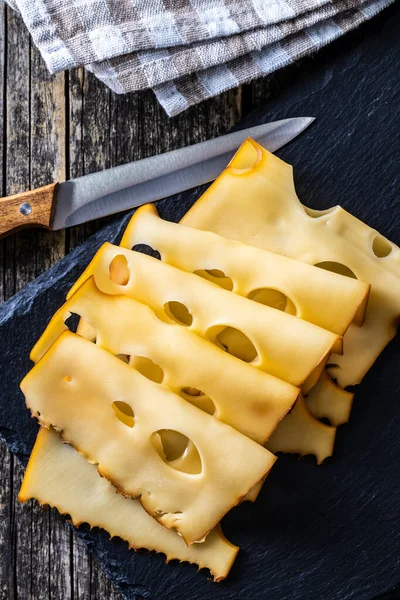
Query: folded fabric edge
x=146 y=29
x=12 y=4
x=142 y=70
x=176 y=96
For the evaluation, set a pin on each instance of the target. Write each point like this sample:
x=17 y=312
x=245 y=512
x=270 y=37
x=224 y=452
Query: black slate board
x=330 y=532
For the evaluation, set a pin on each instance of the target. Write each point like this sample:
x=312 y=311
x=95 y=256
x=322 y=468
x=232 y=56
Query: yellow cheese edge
x=58 y=476
x=254 y=201
x=63 y=370
x=248 y=399
x=274 y=334
x=329 y=401
x=321 y=297
x=300 y=433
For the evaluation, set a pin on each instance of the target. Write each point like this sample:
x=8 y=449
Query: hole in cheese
x=85 y=330
x=124 y=413
x=198 y=399
x=119 y=270
x=124 y=357
x=336 y=267
x=148 y=368
x=246 y=159
x=216 y=276
x=177 y=451
x=381 y=247
x=67 y=379
x=178 y=312
x=274 y=299
x=72 y=322
x=215 y=273
x=146 y=249
x=234 y=342
x=191 y=391
x=317 y=214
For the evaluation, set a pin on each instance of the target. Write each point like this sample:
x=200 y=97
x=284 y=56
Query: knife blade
x=113 y=190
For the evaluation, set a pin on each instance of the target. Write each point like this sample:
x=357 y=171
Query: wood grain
x=55 y=128
x=37 y=547
x=6 y=459
x=15 y=177
x=34 y=208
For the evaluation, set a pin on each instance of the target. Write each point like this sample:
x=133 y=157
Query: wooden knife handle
x=29 y=209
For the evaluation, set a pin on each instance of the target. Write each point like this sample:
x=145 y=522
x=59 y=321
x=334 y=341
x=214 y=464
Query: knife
x=57 y=206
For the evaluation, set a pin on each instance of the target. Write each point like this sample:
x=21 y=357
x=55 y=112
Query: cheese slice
x=129 y=426
x=254 y=201
x=329 y=401
x=276 y=342
x=248 y=399
x=58 y=476
x=326 y=299
x=194 y=396
x=300 y=433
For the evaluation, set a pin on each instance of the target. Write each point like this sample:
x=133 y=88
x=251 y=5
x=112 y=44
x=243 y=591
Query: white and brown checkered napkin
x=186 y=50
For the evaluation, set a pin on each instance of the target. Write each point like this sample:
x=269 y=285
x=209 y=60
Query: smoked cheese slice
x=124 y=423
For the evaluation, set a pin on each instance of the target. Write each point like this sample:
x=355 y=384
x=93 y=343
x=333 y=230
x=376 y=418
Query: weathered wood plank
x=50 y=537
x=6 y=461
x=90 y=148
x=100 y=586
x=3 y=41
x=90 y=582
x=35 y=154
x=143 y=129
x=82 y=568
x=18 y=268
x=6 y=571
x=60 y=547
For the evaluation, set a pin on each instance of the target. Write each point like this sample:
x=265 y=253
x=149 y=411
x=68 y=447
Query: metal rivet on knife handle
x=25 y=209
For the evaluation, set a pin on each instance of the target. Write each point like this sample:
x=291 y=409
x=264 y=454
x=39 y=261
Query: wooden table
x=52 y=129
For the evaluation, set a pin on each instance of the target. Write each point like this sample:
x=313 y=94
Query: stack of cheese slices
x=190 y=370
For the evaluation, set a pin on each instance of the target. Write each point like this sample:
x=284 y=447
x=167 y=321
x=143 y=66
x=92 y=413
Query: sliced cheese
x=300 y=433
x=276 y=342
x=60 y=477
x=248 y=399
x=252 y=495
x=329 y=401
x=326 y=299
x=202 y=401
x=254 y=201
x=123 y=422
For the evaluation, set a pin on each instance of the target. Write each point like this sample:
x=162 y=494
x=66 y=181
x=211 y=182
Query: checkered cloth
x=186 y=50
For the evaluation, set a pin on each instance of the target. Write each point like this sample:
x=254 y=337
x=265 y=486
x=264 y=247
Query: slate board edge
x=14 y=303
